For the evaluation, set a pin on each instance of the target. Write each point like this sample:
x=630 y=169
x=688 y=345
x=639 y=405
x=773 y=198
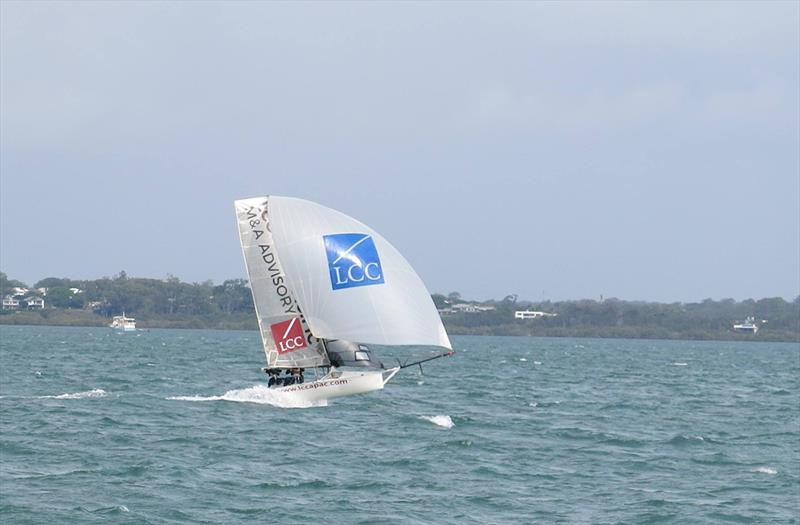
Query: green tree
x=439 y=300
x=54 y=282
x=59 y=297
x=233 y=295
x=6 y=284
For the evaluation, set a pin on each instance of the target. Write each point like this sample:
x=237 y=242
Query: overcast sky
x=553 y=150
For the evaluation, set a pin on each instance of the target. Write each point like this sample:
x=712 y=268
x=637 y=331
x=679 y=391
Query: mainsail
x=288 y=340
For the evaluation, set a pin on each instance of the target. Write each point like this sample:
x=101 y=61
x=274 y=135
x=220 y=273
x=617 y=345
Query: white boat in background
x=123 y=324
x=748 y=326
x=325 y=286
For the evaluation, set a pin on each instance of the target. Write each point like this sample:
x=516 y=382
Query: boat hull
x=339 y=384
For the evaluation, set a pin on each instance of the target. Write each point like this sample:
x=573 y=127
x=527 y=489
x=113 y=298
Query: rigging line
x=445 y=354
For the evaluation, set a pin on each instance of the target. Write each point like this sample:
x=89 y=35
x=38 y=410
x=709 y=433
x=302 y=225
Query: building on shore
x=465 y=308
x=13 y=302
x=531 y=314
x=10 y=302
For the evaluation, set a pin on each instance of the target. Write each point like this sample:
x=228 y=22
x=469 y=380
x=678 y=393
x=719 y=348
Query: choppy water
x=172 y=426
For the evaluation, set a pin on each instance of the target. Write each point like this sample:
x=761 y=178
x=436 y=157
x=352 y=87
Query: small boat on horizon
x=748 y=326
x=121 y=323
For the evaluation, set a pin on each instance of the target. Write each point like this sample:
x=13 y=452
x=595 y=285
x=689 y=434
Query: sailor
x=288 y=379
x=297 y=376
x=300 y=378
x=273 y=377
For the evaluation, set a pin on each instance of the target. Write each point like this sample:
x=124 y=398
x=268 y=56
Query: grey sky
x=558 y=150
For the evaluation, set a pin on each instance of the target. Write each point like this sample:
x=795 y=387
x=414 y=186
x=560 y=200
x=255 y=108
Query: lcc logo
x=352 y=260
x=288 y=335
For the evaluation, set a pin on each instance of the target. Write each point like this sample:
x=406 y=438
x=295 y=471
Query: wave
x=97 y=392
x=679 y=364
x=259 y=394
x=766 y=470
x=682 y=440
x=116 y=509
x=442 y=421
x=715 y=459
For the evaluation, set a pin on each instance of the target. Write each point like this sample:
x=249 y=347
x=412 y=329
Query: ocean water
x=175 y=426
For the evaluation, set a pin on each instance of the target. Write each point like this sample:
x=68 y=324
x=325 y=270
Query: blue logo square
x=352 y=260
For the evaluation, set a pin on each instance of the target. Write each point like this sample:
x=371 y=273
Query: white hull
x=120 y=323
x=339 y=384
x=748 y=326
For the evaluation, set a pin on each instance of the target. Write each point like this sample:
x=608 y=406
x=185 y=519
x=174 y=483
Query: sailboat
x=121 y=323
x=748 y=326
x=326 y=287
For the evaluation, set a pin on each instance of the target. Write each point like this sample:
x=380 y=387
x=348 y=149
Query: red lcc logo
x=288 y=335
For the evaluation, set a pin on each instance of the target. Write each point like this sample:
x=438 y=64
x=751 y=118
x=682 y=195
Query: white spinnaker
x=272 y=295
x=398 y=311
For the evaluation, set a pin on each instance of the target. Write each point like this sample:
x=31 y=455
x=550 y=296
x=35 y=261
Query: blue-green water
x=166 y=427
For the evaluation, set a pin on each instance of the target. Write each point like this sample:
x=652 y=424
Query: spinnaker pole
x=407 y=364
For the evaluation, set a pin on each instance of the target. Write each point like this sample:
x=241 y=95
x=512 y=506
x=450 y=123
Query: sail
x=352 y=283
x=288 y=340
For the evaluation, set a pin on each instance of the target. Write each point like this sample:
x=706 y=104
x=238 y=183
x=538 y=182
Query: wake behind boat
x=355 y=289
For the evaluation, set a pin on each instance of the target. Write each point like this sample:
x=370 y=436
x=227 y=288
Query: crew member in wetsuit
x=274 y=379
x=297 y=375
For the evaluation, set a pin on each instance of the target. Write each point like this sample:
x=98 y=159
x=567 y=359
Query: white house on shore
x=35 y=303
x=10 y=302
x=470 y=308
x=465 y=308
x=531 y=314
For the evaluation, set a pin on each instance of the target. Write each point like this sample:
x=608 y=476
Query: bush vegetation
x=172 y=303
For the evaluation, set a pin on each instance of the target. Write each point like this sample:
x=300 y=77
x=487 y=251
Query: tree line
x=708 y=319
x=173 y=303
x=144 y=297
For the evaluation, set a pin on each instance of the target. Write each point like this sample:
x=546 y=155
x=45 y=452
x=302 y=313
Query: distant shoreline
x=82 y=318
x=172 y=303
